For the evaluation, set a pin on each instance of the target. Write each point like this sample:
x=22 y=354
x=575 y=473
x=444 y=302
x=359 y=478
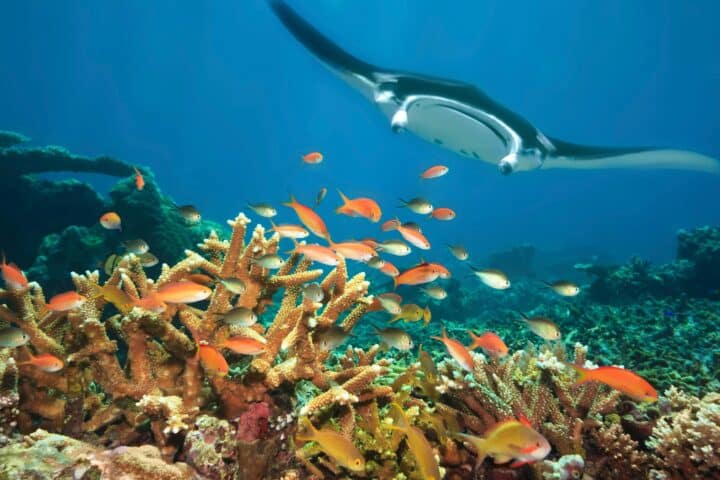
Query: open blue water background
x=221 y=102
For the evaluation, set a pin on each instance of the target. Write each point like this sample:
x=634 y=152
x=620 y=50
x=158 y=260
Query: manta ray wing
x=575 y=156
x=464 y=119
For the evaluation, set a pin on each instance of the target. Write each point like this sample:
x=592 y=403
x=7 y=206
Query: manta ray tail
x=570 y=155
x=359 y=74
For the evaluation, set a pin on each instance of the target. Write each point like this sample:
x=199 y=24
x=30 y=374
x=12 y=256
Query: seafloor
x=134 y=400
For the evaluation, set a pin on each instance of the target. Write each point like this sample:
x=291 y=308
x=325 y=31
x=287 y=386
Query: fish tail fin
x=402 y=423
x=475 y=340
x=273 y=227
x=344 y=197
x=523 y=315
x=582 y=373
x=291 y=203
x=395 y=282
x=403 y=202
x=309 y=432
x=478 y=443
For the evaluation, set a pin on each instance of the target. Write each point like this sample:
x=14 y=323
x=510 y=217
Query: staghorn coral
x=531 y=384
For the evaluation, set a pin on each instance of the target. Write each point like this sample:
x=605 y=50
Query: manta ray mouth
x=465 y=132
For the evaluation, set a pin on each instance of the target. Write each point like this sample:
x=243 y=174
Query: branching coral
x=686 y=442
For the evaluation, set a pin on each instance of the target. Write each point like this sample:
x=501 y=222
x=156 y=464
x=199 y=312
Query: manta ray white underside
x=462 y=118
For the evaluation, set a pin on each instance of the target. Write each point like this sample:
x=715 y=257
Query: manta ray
x=462 y=118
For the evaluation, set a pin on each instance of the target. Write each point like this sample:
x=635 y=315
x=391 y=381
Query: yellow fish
x=511 y=439
x=409 y=313
x=427 y=316
x=336 y=446
x=418 y=445
x=116 y=296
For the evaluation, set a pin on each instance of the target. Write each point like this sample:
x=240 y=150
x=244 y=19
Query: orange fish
x=360 y=207
x=354 y=250
x=442 y=213
x=150 y=302
x=243 y=345
x=13 y=277
x=416 y=275
x=409 y=232
x=313 y=158
x=389 y=269
x=434 y=172
x=309 y=218
x=289 y=231
x=370 y=242
x=45 y=362
x=441 y=270
x=491 y=344
x=212 y=360
x=625 y=381
x=201 y=278
x=111 y=221
x=318 y=253
x=139 y=180
x=183 y=292
x=458 y=351
x=62 y=302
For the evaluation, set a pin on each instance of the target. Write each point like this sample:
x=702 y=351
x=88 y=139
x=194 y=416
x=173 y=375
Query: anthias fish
x=443 y=213
x=212 y=360
x=490 y=343
x=360 y=207
x=318 y=253
x=395 y=247
x=417 y=275
x=434 y=172
x=510 y=440
x=459 y=252
x=417 y=443
x=625 y=381
x=357 y=251
x=183 y=292
x=243 y=345
x=457 y=351
x=63 y=302
x=309 y=218
x=139 y=180
x=289 y=231
x=45 y=362
x=312 y=158
x=335 y=445
x=13 y=277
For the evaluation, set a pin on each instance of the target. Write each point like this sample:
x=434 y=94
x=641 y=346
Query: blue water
x=221 y=102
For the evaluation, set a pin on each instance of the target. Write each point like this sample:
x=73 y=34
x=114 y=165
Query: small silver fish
x=459 y=252
x=313 y=292
x=270 y=261
x=376 y=262
x=320 y=196
x=493 y=278
x=137 y=246
x=12 y=337
x=234 y=285
x=436 y=292
x=263 y=209
x=564 y=288
x=395 y=247
x=190 y=214
x=148 y=260
x=390 y=304
x=395 y=338
x=240 y=316
x=332 y=338
x=418 y=205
